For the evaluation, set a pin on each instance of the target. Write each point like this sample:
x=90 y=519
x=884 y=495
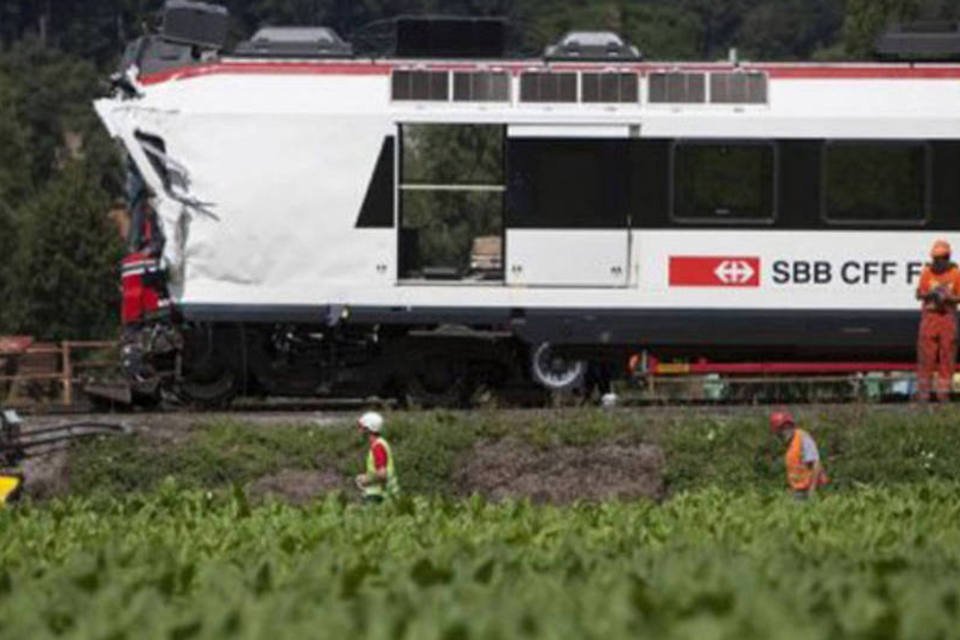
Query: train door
x=451 y=194
x=567 y=219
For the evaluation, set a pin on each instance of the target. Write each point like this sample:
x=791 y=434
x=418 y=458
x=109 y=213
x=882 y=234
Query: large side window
x=867 y=182
x=451 y=202
x=563 y=184
x=724 y=182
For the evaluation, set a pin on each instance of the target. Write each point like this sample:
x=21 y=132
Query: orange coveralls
x=937 y=341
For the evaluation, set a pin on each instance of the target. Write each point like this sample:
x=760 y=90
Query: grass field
x=180 y=550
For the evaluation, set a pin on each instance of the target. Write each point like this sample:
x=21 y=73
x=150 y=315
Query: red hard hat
x=940 y=249
x=779 y=420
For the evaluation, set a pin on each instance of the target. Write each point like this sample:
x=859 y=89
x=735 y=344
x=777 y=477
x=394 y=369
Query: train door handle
x=517 y=268
x=617 y=271
x=381 y=268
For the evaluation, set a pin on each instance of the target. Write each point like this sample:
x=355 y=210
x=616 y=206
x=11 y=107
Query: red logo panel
x=714 y=271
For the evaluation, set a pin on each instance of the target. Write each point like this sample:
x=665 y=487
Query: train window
x=377 y=210
x=482 y=86
x=738 y=88
x=566 y=184
x=867 y=182
x=677 y=87
x=421 y=85
x=723 y=182
x=435 y=154
x=451 y=202
x=543 y=86
x=443 y=234
x=610 y=87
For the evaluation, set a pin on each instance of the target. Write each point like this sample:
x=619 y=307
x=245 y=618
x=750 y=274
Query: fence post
x=67 y=374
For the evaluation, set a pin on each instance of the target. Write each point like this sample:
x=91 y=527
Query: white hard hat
x=371 y=421
x=609 y=400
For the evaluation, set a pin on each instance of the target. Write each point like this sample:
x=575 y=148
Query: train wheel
x=209 y=391
x=555 y=372
x=208 y=380
x=438 y=383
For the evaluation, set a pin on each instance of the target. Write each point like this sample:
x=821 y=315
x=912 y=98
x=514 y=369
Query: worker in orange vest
x=939 y=292
x=805 y=471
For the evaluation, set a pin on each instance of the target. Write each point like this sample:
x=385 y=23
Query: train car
x=313 y=220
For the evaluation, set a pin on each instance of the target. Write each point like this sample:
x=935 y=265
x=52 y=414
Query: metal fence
x=51 y=373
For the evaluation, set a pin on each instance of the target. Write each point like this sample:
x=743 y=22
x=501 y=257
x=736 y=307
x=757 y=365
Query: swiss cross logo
x=714 y=271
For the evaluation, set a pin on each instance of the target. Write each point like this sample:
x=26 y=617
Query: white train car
x=338 y=221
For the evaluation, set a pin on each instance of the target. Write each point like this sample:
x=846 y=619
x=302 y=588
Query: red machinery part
x=13 y=345
x=140 y=299
x=704 y=367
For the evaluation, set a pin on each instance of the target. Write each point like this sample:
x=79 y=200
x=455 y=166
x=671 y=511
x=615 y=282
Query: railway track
x=630 y=399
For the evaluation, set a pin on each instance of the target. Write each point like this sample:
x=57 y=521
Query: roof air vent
x=592 y=45
x=196 y=24
x=450 y=37
x=917 y=41
x=295 y=42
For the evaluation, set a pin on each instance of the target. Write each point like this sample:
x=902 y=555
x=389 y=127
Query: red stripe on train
x=778 y=72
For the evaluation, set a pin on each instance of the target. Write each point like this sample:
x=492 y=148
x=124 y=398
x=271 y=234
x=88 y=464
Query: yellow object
x=8 y=487
x=672 y=368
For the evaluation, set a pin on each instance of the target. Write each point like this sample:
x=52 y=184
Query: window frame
x=428 y=72
x=769 y=221
x=746 y=74
x=920 y=223
x=402 y=187
x=635 y=99
x=674 y=103
x=472 y=76
x=549 y=73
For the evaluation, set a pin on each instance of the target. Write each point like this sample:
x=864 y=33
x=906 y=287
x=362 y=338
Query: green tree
x=64 y=283
x=14 y=183
x=790 y=29
x=866 y=19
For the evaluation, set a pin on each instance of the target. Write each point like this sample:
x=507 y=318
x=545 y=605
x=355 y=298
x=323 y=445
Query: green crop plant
x=712 y=563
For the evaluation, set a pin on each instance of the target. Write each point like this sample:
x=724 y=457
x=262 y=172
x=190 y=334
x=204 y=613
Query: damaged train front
x=157 y=203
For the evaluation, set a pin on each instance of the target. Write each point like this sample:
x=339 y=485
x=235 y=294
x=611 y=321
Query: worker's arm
x=817 y=469
x=953 y=293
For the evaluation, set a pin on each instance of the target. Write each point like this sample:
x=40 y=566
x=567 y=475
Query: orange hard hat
x=941 y=249
x=780 y=420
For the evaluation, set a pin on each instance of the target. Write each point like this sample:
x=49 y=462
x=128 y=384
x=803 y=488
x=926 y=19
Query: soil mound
x=561 y=475
x=47 y=475
x=297 y=486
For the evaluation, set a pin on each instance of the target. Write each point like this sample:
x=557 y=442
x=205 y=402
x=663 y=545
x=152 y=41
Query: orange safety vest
x=799 y=475
x=949 y=280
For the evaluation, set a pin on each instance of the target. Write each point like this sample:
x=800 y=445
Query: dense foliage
x=54 y=55
x=877 y=563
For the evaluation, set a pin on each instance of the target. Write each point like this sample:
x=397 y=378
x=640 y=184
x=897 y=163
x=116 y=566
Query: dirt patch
x=512 y=469
x=47 y=475
x=297 y=486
